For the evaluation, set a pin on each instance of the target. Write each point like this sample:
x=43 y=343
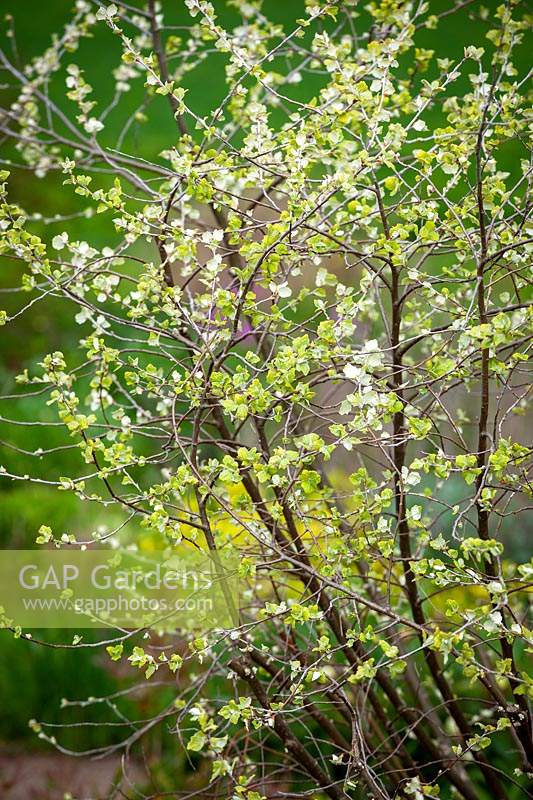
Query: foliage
x=307 y=325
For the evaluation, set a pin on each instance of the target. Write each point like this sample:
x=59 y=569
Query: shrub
x=305 y=325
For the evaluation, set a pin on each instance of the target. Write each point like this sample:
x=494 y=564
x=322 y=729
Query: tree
x=305 y=333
